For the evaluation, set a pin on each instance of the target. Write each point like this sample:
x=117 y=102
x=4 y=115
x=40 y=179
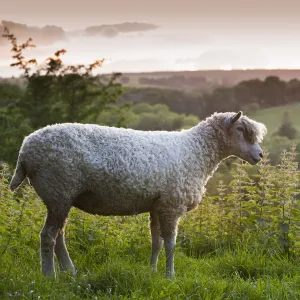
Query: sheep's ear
x=236 y=117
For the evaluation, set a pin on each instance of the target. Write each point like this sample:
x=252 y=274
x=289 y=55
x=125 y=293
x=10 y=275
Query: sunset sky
x=190 y=35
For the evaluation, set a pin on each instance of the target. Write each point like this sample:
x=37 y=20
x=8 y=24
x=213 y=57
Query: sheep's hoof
x=72 y=272
x=170 y=275
x=49 y=275
x=69 y=270
x=154 y=269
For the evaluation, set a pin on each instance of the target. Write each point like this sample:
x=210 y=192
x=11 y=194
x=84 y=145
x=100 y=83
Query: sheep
x=116 y=171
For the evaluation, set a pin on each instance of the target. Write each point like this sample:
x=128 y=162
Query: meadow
x=243 y=243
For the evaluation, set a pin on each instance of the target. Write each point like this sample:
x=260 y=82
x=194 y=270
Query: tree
x=59 y=93
x=286 y=128
x=54 y=93
x=9 y=92
x=159 y=117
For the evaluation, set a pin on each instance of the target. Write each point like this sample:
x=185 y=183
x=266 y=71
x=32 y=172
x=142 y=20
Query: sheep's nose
x=261 y=154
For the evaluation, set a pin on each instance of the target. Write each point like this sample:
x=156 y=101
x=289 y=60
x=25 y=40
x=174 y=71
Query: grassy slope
x=272 y=117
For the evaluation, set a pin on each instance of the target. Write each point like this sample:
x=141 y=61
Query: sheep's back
x=121 y=159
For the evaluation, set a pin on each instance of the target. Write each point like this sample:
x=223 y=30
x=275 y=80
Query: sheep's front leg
x=61 y=252
x=157 y=240
x=54 y=222
x=168 y=226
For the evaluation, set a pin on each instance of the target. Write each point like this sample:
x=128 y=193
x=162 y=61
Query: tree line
x=249 y=95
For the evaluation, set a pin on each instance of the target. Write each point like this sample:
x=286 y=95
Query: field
x=242 y=244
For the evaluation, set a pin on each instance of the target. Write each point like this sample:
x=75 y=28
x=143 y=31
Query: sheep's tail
x=18 y=177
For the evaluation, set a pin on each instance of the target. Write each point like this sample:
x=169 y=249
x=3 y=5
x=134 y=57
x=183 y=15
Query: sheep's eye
x=240 y=129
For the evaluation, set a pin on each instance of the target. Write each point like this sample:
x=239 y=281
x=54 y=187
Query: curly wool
x=115 y=171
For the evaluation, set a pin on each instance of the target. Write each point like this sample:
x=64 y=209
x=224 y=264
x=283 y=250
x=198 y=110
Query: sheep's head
x=244 y=136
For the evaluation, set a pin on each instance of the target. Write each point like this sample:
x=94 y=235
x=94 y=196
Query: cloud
x=46 y=35
x=50 y=34
x=115 y=29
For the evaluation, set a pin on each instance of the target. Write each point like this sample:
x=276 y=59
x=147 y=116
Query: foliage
x=178 y=101
x=241 y=244
x=12 y=132
x=250 y=95
x=263 y=206
x=159 y=117
x=54 y=93
x=144 y=116
x=10 y=93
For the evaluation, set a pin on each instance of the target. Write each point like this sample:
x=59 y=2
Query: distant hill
x=202 y=79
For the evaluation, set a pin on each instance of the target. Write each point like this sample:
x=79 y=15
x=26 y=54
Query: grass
x=111 y=257
x=233 y=275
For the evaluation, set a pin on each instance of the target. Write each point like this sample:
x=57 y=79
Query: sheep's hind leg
x=54 y=223
x=65 y=263
x=157 y=240
x=168 y=226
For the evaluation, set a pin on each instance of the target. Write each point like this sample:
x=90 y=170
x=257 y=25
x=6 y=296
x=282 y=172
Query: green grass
x=272 y=117
x=111 y=256
x=233 y=275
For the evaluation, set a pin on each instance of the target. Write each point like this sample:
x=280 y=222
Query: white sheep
x=116 y=171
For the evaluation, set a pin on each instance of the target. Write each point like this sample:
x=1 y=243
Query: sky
x=190 y=35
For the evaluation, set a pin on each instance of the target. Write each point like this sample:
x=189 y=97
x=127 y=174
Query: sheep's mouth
x=255 y=160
